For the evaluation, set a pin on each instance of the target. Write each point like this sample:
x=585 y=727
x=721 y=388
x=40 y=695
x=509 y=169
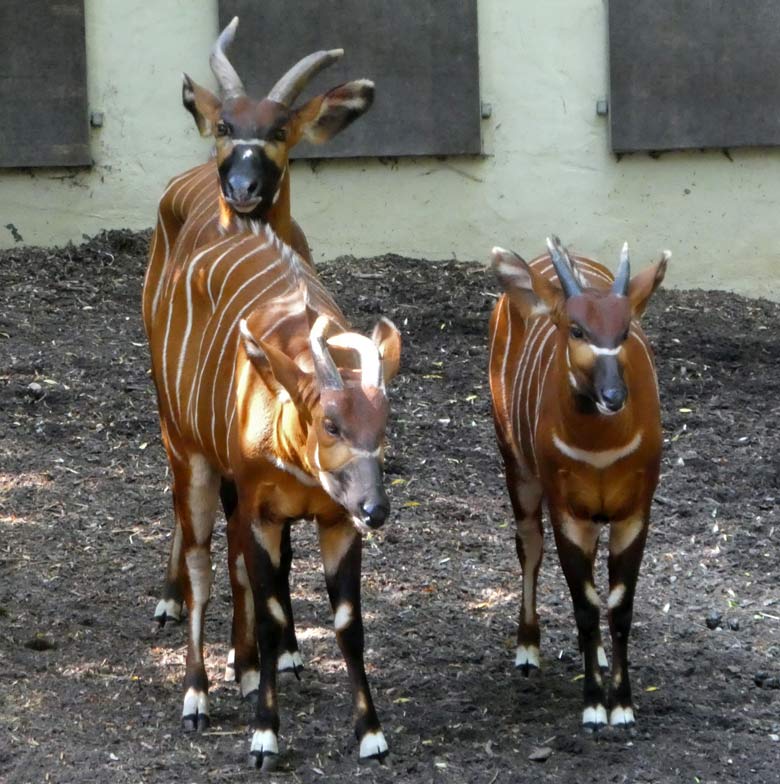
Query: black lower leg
x=623 y=574
x=578 y=569
x=344 y=592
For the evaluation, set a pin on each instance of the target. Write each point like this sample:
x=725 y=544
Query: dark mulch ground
x=89 y=694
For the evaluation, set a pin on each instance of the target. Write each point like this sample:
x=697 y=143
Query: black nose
x=241 y=188
x=375 y=512
x=614 y=397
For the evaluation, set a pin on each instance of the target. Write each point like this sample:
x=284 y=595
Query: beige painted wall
x=547 y=168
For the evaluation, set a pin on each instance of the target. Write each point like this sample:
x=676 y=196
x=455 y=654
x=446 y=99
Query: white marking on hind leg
x=602 y=658
x=264 y=742
x=289 y=661
x=527 y=655
x=621 y=717
x=594 y=716
x=168 y=608
x=196 y=702
x=373 y=744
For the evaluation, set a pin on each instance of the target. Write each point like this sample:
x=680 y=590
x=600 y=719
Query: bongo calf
x=577 y=416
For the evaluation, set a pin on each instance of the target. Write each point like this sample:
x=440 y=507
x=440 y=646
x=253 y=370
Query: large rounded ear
x=324 y=116
x=644 y=283
x=201 y=104
x=275 y=368
x=530 y=292
x=387 y=339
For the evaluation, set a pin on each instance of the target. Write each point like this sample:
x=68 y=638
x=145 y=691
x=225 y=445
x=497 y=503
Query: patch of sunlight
x=313 y=633
x=13 y=519
x=10 y=482
x=490 y=598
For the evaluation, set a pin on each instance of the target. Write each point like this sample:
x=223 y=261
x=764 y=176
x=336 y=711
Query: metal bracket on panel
x=602 y=107
x=485 y=110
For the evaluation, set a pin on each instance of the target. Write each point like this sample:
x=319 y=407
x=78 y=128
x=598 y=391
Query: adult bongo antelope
x=576 y=410
x=247 y=183
x=262 y=387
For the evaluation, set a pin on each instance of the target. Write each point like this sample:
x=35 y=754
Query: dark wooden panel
x=422 y=55
x=694 y=73
x=43 y=84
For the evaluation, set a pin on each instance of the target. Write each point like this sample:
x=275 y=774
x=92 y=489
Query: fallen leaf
x=540 y=754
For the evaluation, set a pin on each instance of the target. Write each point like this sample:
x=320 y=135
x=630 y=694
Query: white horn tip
x=498 y=252
x=625 y=248
x=244 y=329
x=234 y=22
x=667 y=254
x=336 y=53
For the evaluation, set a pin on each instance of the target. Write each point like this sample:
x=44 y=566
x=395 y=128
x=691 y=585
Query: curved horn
x=623 y=276
x=327 y=373
x=562 y=264
x=370 y=361
x=229 y=82
x=290 y=86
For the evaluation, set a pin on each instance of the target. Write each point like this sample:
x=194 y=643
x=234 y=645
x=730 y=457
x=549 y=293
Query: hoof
x=195 y=713
x=594 y=718
x=622 y=717
x=527 y=659
x=373 y=747
x=195 y=722
x=264 y=752
x=290 y=662
x=167 y=610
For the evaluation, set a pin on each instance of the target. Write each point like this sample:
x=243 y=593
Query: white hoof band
x=373 y=745
x=167 y=610
x=602 y=658
x=196 y=703
x=527 y=656
x=594 y=717
x=264 y=742
x=264 y=751
x=289 y=662
x=622 y=717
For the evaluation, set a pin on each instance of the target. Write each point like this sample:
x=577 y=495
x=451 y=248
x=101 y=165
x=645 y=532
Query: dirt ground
x=88 y=693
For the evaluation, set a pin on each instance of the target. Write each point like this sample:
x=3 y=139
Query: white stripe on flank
x=182 y=352
x=534 y=347
x=534 y=369
x=213 y=269
x=506 y=352
x=598 y=459
x=216 y=330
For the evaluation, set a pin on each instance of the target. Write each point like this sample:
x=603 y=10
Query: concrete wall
x=547 y=168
